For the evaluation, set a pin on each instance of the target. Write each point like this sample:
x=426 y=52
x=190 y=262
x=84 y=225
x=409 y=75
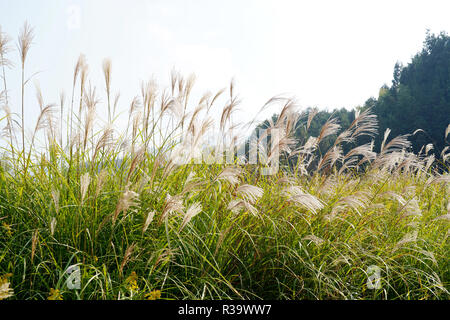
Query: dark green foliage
x=419 y=97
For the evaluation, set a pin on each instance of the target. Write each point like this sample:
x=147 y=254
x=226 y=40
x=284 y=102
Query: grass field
x=141 y=225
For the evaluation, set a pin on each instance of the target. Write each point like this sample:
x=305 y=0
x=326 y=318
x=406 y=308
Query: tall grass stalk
x=24 y=43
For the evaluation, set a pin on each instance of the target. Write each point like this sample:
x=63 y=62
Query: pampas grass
x=120 y=205
x=24 y=44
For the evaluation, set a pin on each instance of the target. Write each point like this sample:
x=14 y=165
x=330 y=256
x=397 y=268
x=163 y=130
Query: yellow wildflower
x=8 y=229
x=54 y=295
x=131 y=282
x=153 y=295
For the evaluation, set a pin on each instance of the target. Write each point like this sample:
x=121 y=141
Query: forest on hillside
x=417 y=103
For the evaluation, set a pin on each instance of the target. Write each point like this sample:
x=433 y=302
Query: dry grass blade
x=34 y=239
x=126 y=257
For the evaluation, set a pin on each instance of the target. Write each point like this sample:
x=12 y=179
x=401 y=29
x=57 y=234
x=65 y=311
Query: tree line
x=417 y=103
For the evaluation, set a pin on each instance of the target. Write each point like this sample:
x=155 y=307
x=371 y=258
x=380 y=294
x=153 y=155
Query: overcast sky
x=327 y=53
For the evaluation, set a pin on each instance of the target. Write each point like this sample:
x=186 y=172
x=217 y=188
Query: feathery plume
x=107 y=75
x=358 y=200
x=312 y=113
x=297 y=196
x=365 y=123
x=24 y=41
x=315 y=239
x=443 y=217
x=4 y=49
x=53 y=226
x=192 y=183
x=127 y=199
x=91 y=102
x=172 y=204
x=365 y=150
x=409 y=237
x=105 y=141
x=127 y=257
x=85 y=180
x=78 y=67
x=249 y=192
x=55 y=197
x=230 y=174
x=101 y=180
x=411 y=208
x=386 y=134
x=329 y=128
x=191 y=212
x=330 y=158
x=238 y=205
x=148 y=220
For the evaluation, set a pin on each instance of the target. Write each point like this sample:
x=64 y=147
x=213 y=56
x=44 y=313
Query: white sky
x=327 y=53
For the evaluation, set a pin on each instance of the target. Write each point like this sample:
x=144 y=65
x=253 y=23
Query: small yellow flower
x=153 y=295
x=8 y=229
x=131 y=282
x=54 y=295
